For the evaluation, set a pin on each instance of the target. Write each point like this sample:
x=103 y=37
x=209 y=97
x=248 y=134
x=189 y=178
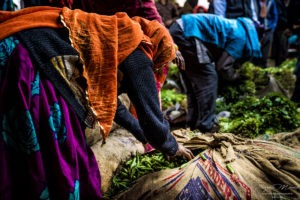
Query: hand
x=184 y=152
x=179 y=60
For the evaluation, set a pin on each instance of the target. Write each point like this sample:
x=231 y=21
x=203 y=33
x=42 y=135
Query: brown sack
x=119 y=147
x=291 y=139
x=229 y=168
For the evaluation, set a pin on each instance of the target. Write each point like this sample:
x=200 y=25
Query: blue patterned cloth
x=237 y=36
x=6 y=48
x=7 y=5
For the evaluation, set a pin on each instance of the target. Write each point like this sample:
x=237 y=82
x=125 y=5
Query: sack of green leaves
x=226 y=167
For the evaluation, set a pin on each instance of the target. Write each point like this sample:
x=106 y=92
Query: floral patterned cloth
x=43 y=151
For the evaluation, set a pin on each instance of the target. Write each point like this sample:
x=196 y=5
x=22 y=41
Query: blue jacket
x=236 y=36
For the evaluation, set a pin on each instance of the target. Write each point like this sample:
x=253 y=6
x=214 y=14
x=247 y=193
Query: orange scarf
x=163 y=49
x=103 y=42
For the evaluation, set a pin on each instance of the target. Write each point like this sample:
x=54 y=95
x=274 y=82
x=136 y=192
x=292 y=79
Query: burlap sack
x=93 y=135
x=291 y=139
x=119 y=147
x=274 y=86
x=229 y=168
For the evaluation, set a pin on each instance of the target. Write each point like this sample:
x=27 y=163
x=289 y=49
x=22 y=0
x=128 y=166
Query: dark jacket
x=231 y=8
x=238 y=8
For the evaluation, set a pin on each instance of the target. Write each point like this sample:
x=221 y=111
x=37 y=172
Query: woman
x=58 y=75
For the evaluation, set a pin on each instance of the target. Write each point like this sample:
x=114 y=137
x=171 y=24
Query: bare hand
x=179 y=60
x=184 y=152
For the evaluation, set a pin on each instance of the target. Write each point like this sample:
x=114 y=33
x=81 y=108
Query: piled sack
x=291 y=139
x=230 y=167
x=119 y=147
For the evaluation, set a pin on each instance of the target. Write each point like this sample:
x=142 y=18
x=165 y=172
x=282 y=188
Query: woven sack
x=230 y=167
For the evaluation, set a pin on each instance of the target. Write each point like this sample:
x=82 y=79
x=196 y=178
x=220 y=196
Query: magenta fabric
x=142 y=8
x=43 y=150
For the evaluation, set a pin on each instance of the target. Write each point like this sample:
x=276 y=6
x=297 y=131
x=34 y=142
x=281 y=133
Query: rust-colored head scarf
x=102 y=42
x=163 y=49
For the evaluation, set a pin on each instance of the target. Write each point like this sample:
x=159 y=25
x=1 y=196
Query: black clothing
x=137 y=79
x=238 y=8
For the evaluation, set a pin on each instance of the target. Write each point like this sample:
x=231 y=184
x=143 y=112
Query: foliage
x=254 y=79
x=284 y=74
x=288 y=64
x=138 y=166
x=173 y=71
x=169 y=97
x=252 y=116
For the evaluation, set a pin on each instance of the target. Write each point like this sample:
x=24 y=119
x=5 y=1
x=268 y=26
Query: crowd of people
x=63 y=64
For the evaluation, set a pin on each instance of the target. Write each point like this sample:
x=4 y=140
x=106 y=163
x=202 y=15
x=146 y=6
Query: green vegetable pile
x=173 y=72
x=139 y=165
x=169 y=97
x=255 y=78
x=254 y=109
x=284 y=74
x=251 y=116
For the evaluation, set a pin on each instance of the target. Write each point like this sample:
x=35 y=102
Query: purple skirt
x=43 y=151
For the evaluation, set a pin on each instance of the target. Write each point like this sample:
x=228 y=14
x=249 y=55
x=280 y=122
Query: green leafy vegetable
x=138 y=166
x=170 y=97
x=252 y=116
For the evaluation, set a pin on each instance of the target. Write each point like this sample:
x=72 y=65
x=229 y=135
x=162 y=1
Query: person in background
x=200 y=9
x=294 y=25
x=293 y=15
x=178 y=7
x=231 y=9
x=268 y=18
x=210 y=46
x=168 y=11
x=188 y=7
x=210 y=7
x=59 y=75
x=296 y=93
x=262 y=12
x=281 y=34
